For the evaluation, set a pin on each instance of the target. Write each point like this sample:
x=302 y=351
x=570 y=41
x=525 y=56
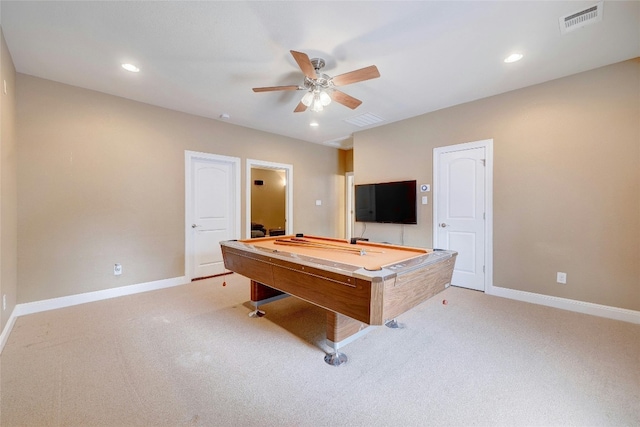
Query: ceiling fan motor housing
x=318 y=64
x=323 y=81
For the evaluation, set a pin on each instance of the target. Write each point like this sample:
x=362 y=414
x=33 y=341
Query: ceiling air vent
x=363 y=120
x=579 y=19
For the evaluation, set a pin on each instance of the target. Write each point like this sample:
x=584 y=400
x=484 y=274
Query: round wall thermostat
x=424 y=187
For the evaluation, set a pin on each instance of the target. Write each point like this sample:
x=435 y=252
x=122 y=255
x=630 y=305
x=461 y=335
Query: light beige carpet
x=190 y=356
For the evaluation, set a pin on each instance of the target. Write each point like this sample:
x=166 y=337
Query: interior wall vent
x=363 y=120
x=579 y=19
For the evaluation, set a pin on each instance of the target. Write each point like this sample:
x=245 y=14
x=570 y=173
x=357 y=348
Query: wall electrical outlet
x=561 y=278
x=4 y=302
x=117 y=269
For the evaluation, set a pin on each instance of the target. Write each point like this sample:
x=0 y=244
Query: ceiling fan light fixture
x=307 y=99
x=325 y=99
x=317 y=104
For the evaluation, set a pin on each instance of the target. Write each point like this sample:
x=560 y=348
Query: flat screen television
x=388 y=202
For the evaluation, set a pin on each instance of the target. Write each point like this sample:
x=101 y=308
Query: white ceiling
x=203 y=58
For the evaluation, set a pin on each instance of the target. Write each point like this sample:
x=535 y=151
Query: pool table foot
x=257 y=313
x=335 y=359
x=393 y=324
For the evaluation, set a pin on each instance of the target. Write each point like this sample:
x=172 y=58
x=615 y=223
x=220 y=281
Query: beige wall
x=8 y=185
x=268 y=200
x=101 y=180
x=566 y=180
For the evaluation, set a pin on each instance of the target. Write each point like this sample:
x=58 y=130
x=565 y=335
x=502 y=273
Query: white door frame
x=288 y=169
x=349 y=223
x=189 y=156
x=488 y=201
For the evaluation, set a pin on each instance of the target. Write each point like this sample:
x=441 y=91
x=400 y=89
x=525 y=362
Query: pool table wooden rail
x=333 y=291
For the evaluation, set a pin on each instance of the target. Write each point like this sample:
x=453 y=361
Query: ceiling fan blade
x=346 y=100
x=300 y=108
x=272 y=88
x=305 y=64
x=367 y=73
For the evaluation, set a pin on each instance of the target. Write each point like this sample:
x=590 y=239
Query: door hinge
x=483 y=269
x=484 y=162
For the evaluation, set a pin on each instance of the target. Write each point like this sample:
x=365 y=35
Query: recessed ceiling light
x=314 y=124
x=513 y=57
x=130 y=67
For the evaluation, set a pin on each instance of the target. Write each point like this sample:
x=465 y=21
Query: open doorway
x=269 y=198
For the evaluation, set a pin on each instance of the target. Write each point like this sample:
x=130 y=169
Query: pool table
x=360 y=284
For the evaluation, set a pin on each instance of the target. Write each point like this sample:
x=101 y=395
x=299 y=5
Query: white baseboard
x=71 y=300
x=7 y=329
x=615 y=313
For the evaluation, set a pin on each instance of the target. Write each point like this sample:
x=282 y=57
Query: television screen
x=390 y=202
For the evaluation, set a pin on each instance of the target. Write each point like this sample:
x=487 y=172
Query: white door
x=461 y=212
x=212 y=211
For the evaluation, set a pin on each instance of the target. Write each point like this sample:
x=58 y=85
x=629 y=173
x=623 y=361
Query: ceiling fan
x=321 y=88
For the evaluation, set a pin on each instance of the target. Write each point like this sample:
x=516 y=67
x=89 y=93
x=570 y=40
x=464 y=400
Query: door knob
x=194 y=225
x=443 y=225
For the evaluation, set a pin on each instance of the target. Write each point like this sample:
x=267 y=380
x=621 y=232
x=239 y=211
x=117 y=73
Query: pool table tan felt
x=368 y=255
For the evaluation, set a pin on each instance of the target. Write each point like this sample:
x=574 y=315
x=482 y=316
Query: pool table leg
x=338 y=327
x=262 y=294
x=341 y=330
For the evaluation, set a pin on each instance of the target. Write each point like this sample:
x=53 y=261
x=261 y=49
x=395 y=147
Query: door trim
x=349 y=192
x=261 y=164
x=189 y=156
x=488 y=201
